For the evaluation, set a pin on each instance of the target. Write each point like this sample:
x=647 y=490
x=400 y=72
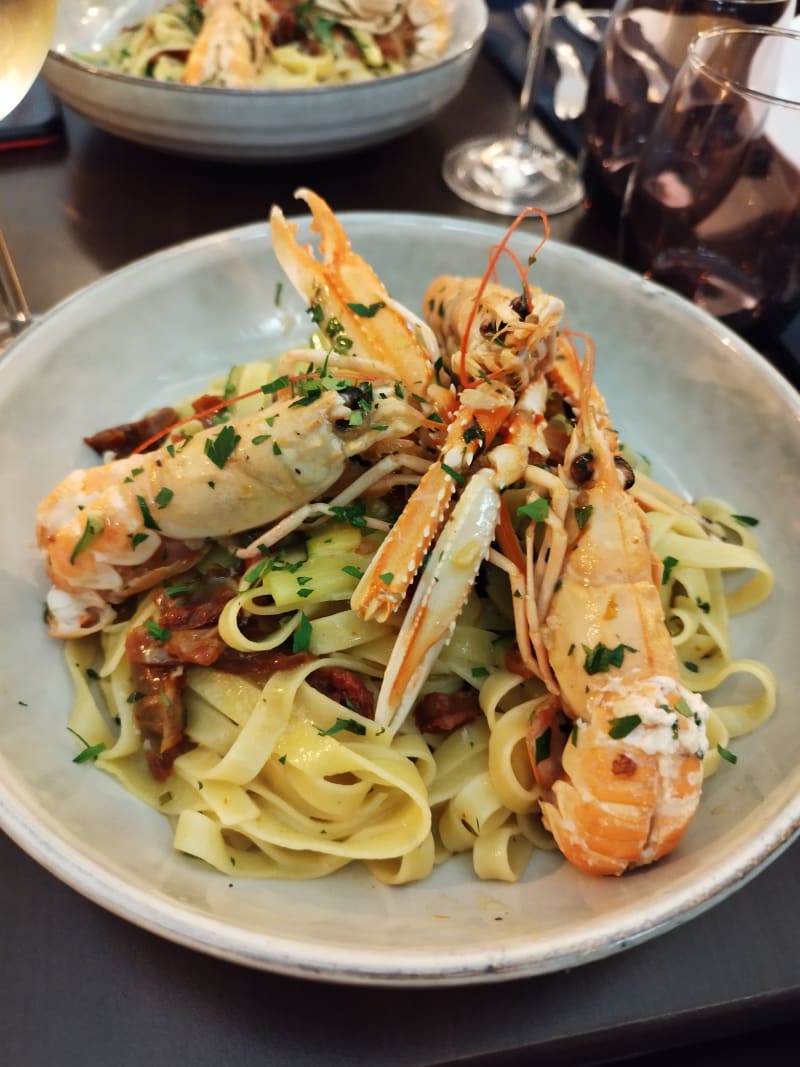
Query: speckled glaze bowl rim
x=38 y=832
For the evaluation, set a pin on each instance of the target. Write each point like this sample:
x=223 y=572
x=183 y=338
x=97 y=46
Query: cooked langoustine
x=231 y=45
x=631 y=773
x=118 y=529
x=369 y=334
x=509 y=336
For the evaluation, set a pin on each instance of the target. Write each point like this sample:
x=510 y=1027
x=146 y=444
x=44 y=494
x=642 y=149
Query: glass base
x=507 y=175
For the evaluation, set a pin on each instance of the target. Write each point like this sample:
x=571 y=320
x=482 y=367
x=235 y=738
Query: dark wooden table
x=80 y=985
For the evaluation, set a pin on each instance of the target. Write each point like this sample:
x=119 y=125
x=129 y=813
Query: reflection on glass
x=644 y=44
x=26 y=28
x=508 y=174
x=713 y=205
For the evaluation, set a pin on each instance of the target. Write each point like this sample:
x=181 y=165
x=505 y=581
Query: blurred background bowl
x=251 y=124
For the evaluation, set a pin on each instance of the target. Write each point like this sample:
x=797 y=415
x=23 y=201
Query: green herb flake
x=624 y=725
x=89 y=752
x=163 y=497
x=459 y=478
x=301 y=638
x=355 y=514
x=583 y=514
x=275 y=385
x=600 y=658
x=691 y=666
x=669 y=563
x=160 y=633
x=148 y=520
x=354 y=572
x=260 y=438
x=745 y=520
x=92 y=529
x=282 y=759
x=220 y=448
x=387 y=577
x=727 y=755
x=480 y=672
x=278 y=293
x=367 y=311
x=683 y=708
x=536 y=511
x=542 y=746
x=276 y=449
x=344 y=724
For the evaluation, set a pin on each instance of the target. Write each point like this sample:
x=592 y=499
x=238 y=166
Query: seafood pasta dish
x=275 y=44
x=402 y=592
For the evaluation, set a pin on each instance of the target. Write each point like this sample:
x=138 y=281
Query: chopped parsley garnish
x=278 y=292
x=164 y=496
x=89 y=751
x=536 y=511
x=480 y=672
x=387 y=578
x=92 y=529
x=354 y=572
x=683 y=708
x=260 y=438
x=669 y=562
x=220 y=448
x=454 y=474
x=344 y=724
x=147 y=519
x=624 y=725
x=367 y=311
x=356 y=418
x=302 y=635
x=542 y=746
x=745 y=520
x=726 y=755
x=176 y=590
x=254 y=574
x=355 y=514
x=691 y=666
x=160 y=633
x=276 y=449
x=600 y=658
x=304 y=593
x=582 y=515
x=276 y=385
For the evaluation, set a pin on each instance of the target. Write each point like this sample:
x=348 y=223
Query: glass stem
x=534 y=64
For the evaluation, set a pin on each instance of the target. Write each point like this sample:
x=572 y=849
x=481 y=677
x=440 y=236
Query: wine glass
x=26 y=29
x=712 y=207
x=644 y=44
x=508 y=174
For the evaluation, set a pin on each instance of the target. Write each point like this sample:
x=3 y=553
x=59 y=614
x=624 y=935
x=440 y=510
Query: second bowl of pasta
x=262 y=79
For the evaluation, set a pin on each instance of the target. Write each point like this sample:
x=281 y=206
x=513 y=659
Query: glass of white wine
x=26 y=29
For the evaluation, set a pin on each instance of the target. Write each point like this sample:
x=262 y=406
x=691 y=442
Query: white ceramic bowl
x=234 y=124
x=712 y=415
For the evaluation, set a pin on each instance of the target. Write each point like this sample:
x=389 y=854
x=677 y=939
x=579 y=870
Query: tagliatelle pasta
x=279 y=44
x=282 y=782
x=387 y=601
